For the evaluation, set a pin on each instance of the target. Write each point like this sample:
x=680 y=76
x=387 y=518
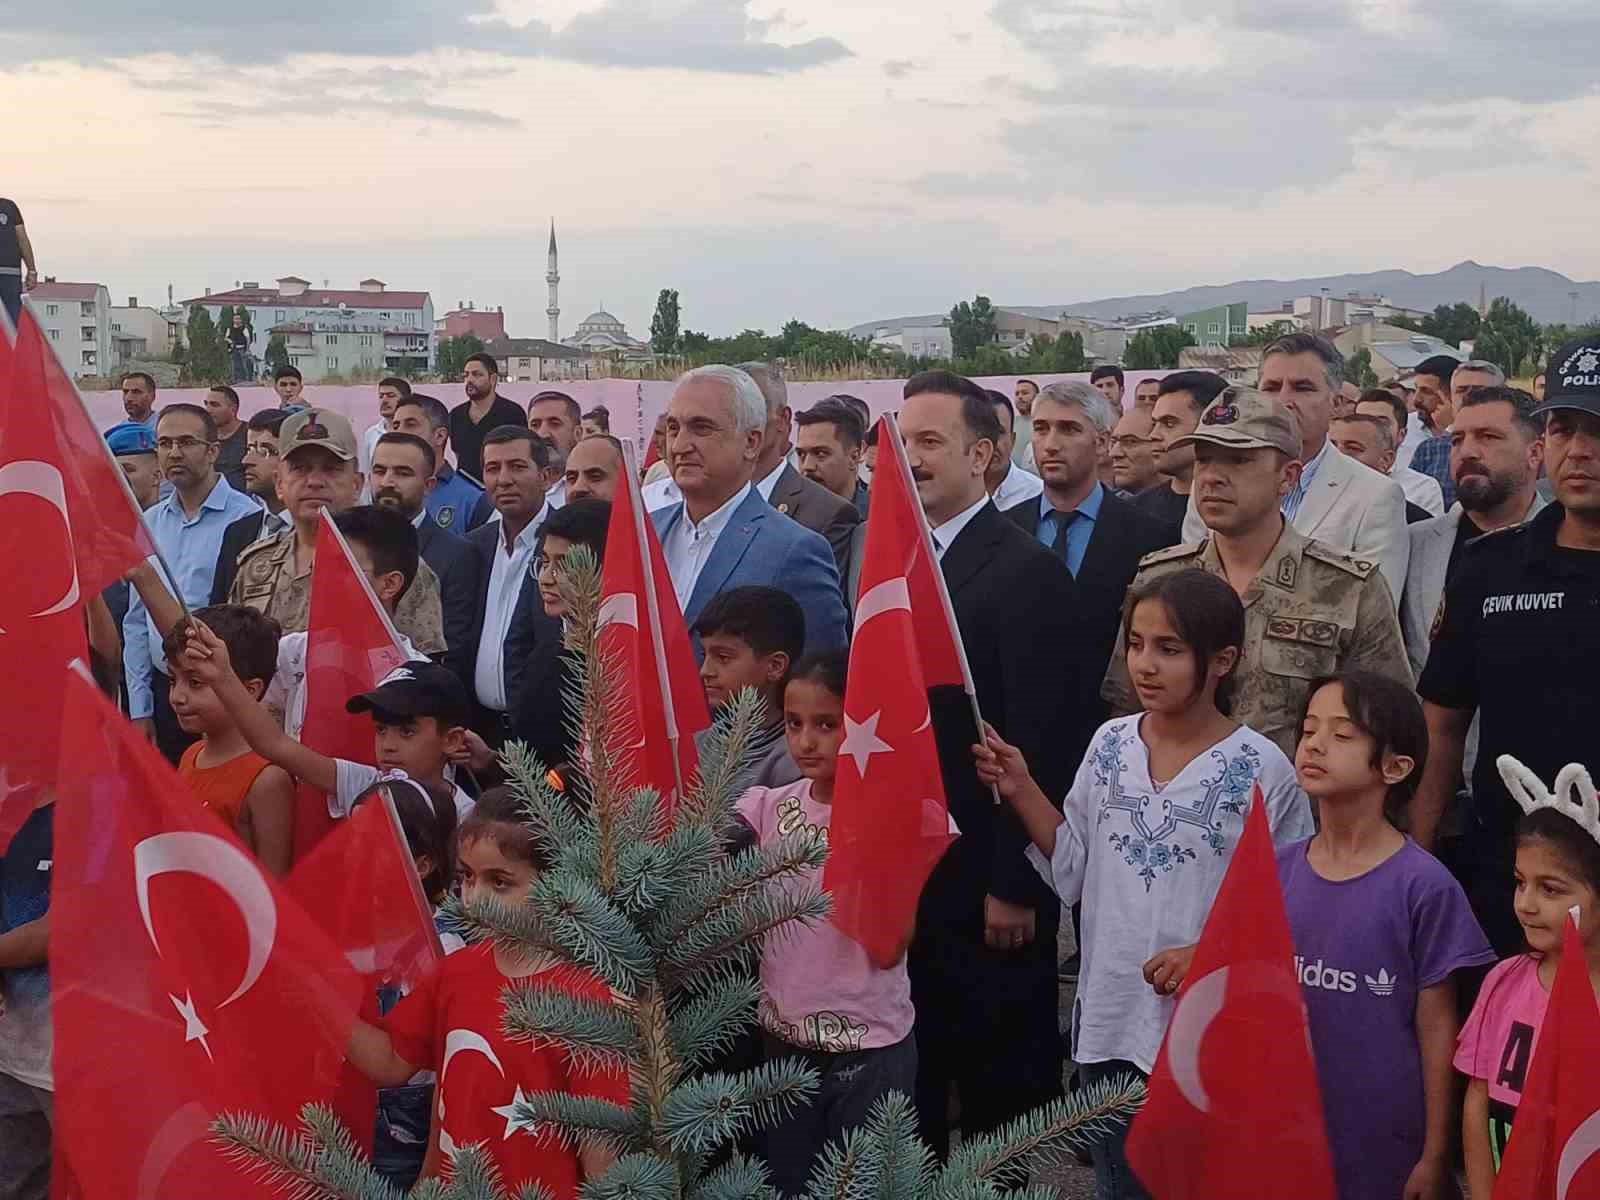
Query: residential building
x=139 y=331
x=1257 y=321
x=530 y=360
x=1400 y=357
x=466 y=317
x=1236 y=364
x=76 y=320
x=917 y=341
x=337 y=346
x=1015 y=331
x=1103 y=341
x=1327 y=312
x=1217 y=326
x=369 y=310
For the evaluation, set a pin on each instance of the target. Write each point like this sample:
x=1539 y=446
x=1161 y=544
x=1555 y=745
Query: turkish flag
x=350 y=646
x=362 y=886
x=1234 y=1107
x=1556 y=1136
x=642 y=631
x=188 y=982
x=891 y=822
x=68 y=528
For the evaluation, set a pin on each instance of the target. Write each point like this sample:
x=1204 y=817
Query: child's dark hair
x=1391 y=715
x=768 y=620
x=583 y=523
x=1207 y=615
x=830 y=668
x=499 y=818
x=250 y=636
x=384 y=534
x=427 y=813
x=1578 y=851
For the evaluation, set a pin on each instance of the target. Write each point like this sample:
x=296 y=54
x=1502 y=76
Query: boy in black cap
x=419 y=712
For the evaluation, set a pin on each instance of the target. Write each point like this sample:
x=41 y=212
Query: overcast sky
x=836 y=160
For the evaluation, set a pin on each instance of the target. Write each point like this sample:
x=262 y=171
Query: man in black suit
x=788 y=491
x=1098 y=535
x=261 y=481
x=983 y=959
x=403 y=468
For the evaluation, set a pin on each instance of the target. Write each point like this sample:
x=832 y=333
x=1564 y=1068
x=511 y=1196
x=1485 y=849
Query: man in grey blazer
x=723 y=534
x=1494 y=463
x=1338 y=501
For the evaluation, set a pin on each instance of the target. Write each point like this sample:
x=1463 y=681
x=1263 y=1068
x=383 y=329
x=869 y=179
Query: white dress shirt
x=1017 y=487
x=659 y=494
x=556 y=497
x=945 y=534
x=765 y=486
x=687 y=546
x=1416 y=434
x=505 y=584
x=1422 y=490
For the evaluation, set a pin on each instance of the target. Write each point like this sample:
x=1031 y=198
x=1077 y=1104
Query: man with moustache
x=1516 y=644
x=1133 y=455
x=139 y=398
x=1022 y=401
x=1442 y=382
x=1390 y=408
x=829 y=442
x=483 y=411
x=593 y=468
x=260 y=481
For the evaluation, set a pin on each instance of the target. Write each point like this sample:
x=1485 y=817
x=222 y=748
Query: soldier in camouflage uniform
x=318 y=471
x=1309 y=610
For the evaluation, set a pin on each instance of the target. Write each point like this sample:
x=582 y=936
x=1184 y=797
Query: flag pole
x=903 y=465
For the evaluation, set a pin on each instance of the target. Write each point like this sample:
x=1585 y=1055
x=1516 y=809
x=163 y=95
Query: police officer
x=317 y=470
x=456 y=502
x=1518 y=642
x=1309 y=610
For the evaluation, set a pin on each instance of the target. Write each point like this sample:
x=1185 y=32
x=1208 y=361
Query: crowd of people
x=1346 y=606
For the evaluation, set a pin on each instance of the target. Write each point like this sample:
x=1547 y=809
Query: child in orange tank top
x=247 y=793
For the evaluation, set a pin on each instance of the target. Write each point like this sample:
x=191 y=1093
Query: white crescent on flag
x=1583 y=1145
x=40 y=479
x=620 y=609
x=884 y=597
x=225 y=865
x=456 y=1042
x=1201 y=1004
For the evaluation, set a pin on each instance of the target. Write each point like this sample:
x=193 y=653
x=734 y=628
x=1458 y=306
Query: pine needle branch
x=596 y=1033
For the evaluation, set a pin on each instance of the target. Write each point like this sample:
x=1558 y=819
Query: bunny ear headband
x=1573 y=795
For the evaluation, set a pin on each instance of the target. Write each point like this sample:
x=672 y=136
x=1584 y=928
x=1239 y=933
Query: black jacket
x=1122 y=536
x=456 y=565
x=530 y=627
x=236 y=538
x=1020 y=618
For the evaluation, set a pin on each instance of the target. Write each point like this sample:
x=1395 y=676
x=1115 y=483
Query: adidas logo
x=1383 y=985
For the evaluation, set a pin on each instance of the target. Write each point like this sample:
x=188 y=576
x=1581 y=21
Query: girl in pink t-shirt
x=1558 y=868
x=823 y=1001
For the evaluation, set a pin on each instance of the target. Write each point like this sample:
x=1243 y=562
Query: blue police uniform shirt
x=456 y=503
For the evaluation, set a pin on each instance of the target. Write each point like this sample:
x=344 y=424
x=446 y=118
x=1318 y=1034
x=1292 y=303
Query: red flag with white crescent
x=350 y=646
x=68 y=528
x=1234 y=1105
x=891 y=820
x=1555 y=1141
x=643 y=630
x=191 y=984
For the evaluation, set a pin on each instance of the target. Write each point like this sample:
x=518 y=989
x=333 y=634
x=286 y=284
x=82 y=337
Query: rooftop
x=316 y=298
x=530 y=348
x=52 y=290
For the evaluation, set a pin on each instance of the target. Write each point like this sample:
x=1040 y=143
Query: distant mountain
x=1545 y=294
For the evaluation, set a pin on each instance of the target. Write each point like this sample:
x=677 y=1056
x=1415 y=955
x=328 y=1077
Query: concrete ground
x=1071 y=1181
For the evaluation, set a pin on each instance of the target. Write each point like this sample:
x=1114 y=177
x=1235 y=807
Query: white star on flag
x=194 y=1030
x=509 y=1112
x=861 y=741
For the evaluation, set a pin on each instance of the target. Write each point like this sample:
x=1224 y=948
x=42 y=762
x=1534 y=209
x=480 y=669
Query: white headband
x=1574 y=793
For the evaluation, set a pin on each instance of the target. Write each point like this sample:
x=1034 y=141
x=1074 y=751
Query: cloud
x=898 y=68
x=717 y=36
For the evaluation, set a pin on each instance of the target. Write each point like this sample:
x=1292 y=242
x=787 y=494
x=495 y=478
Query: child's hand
x=1425 y=1180
x=474 y=753
x=1000 y=764
x=1166 y=971
x=205 y=654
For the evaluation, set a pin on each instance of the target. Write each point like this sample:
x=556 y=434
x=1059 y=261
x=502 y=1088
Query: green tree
x=451 y=356
x=277 y=354
x=1508 y=337
x=1453 y=323
x=1156 y=348
x=693 y=344
x=208 y=351
x=972 y=324
x=1358 y=369
x=649 y=900
x=664 y=337
x=1067 y=353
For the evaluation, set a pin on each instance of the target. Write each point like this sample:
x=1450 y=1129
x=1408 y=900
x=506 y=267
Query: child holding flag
x=1150 y=823
x=823 y=999
x=1557 y=871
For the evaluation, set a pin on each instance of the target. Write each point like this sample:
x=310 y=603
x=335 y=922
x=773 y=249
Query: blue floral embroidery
x=1154 y=846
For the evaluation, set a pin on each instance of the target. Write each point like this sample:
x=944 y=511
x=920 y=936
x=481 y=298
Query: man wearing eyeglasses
x=1133 y=453
x=187 y=527
x=260 y=481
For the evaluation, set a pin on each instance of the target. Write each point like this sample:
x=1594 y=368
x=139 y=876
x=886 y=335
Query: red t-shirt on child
x=452 y=1024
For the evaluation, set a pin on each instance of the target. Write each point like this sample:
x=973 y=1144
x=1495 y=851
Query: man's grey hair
x=1084 y=396
x=1381 y=429
x=769 y=378
x=1311 y=343
x=1482 y=366
x=749 y=406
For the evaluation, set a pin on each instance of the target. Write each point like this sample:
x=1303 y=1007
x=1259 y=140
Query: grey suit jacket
x=818 y=509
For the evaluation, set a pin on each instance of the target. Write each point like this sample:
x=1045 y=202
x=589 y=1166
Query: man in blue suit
x=722 y=534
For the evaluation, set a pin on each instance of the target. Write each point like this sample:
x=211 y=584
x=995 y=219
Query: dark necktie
x=1063 y=522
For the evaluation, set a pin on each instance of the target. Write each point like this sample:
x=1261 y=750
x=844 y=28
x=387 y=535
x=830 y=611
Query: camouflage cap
x=1242 y=418
x=318 y=427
